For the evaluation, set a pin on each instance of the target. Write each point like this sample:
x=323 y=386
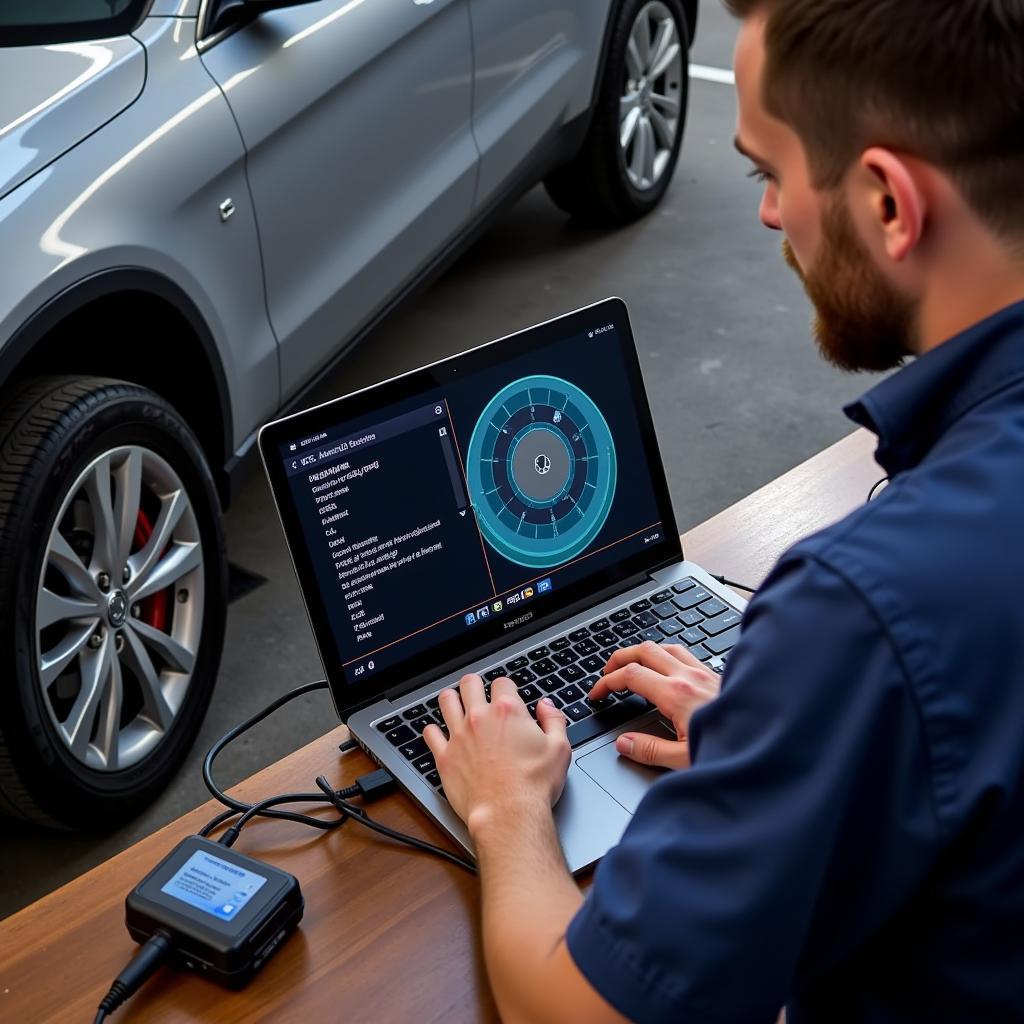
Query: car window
x=29 y=22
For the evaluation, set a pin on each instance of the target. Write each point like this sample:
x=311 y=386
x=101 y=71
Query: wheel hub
x=117 y=609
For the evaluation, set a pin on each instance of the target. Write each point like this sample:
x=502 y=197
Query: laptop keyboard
x=565 y=669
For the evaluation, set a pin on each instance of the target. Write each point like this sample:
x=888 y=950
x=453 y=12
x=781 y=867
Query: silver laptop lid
x=449 y=511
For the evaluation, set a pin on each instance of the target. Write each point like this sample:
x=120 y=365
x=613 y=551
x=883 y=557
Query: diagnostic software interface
x=471 y=501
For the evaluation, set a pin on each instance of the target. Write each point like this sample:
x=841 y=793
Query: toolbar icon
x=483 y=613
x=544 y=586
x=497 y=606
x=470 y=618
x=528 y=592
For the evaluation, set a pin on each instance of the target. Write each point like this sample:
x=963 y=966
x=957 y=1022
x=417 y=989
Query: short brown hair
x=941 y=79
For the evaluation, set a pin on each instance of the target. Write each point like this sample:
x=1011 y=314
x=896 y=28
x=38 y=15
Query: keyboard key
x=602 y=704
x=434 y=779
x=607 y=653
x=645 y=620
x=577 y=712
x=624 y=629
x=424 y=764
x=606 y=639
x=640 y=606
x=421 y=723
x=630 y=641
x=550 y=683
x=494 y=673
x=691 y=618
x=701 y=652
x=416 y=711
x=661 y=597
x=544 y=667
x=670 y=627
x=654 y=635
x=529 y=692
x=579 y=634
x=433 y=704
x=532 y=706
x=571 y=694
x=522 y=677
x=517 y=663
x=599 y=626
x=691 y=598
x=724 y=642
x=684 y=585
x=691 y=636
x=560 y=644
x=389 y=723
x=537 y=653
x=620 y=616
x=595 y=663
x=712 y=607
x=720 y=623
x=399 y=735
x=584 y=647
x=664 y=611
x=566 y=657
x=417 y=748
x=602 y=721
x=572 y=673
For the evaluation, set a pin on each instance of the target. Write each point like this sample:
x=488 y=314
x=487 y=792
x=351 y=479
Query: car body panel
x=378 y=104
x=536 y=63
x=143 y=191
x=52 y=97
x=174 y=8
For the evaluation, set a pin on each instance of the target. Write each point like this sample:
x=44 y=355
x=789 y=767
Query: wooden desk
x=389 y=935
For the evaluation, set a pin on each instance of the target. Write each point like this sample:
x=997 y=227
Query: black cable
x=732 y=583
x=871 y=493
x=146 y=962
x=358 y=814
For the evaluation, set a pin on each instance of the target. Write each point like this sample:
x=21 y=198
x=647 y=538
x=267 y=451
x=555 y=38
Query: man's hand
x=672 y=679
x=496 y=759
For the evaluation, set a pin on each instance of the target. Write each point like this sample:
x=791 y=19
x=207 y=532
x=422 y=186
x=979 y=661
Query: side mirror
x=226 y=13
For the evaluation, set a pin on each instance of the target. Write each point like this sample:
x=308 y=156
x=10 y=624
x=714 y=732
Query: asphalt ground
x=738 y=392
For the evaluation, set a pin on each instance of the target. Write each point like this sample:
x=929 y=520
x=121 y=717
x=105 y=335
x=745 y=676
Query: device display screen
x=213 y=886
x=520 y=475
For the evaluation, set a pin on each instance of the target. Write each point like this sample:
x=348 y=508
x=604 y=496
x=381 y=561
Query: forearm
x=529 y=898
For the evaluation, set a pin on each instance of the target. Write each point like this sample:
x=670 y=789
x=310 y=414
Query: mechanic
x=849 y=841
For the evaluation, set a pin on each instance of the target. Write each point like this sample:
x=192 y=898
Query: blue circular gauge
x=541 y=470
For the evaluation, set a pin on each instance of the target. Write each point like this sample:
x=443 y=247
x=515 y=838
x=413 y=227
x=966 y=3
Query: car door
x=357 y=118
x=536 y=64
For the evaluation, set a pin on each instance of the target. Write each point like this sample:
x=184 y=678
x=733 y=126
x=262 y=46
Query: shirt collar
x=911 y=410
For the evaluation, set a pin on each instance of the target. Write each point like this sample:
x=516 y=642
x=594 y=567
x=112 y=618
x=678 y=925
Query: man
x=850 y=837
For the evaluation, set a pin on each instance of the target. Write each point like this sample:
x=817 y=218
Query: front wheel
x=632 y=147
x=113 y=582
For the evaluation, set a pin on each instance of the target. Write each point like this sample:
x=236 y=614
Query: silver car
x=203 y=205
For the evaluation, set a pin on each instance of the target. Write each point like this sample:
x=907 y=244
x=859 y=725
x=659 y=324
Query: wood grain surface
x=389 y=935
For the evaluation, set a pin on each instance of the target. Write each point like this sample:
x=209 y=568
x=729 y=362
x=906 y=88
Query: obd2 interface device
x=225 y=913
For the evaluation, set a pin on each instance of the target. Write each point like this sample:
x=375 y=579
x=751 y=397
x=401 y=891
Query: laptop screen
x=464 y=504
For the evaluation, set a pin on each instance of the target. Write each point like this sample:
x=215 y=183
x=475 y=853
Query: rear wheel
x=112 y=599
x=632 y=147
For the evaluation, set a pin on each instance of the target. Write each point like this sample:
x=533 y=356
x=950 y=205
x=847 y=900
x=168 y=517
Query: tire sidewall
x=61 y=785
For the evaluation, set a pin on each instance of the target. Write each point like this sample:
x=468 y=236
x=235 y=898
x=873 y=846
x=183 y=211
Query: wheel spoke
x=663 y=130
x=62 y=557
x=177 y=655
x=108 y=725
x=97 y=487
x=51 y=608
x=154 y=704
x=641 y=36
x=634 y=63
x=650 y=150
x=629 y=124
x=180 y=559
x=172 y=508
x=664 y=50
x=55 y=660
x=127 y=500
x=77 y=728
x=668 y=105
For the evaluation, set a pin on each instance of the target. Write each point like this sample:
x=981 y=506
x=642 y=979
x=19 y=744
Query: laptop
x=504 y=512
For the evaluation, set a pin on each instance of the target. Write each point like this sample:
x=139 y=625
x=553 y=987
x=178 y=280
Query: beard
x=862 y=322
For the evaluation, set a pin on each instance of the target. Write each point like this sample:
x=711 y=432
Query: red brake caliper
x=153 y=610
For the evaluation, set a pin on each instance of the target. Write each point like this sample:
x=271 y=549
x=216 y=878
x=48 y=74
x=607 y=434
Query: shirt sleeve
x=806 y=819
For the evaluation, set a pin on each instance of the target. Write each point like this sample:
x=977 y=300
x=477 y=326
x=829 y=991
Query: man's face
x=863 y=321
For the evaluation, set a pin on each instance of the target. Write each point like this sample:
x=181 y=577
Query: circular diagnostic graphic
x=541 y=470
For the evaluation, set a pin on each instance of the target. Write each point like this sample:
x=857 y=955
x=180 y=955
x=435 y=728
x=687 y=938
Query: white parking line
x=706 y=74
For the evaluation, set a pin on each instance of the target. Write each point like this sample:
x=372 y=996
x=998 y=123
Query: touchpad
x=623 y=780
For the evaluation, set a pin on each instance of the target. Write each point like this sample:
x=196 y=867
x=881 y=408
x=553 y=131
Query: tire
x=105 y=673
x=600 y=185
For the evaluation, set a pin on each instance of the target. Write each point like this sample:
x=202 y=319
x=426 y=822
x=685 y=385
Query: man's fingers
x=450 y=704
x=550 y=719
x=654 y=685
x=435 y=740
x=680 y=653
x=471 y=689
x=653 y=750
x=503 y=687
x=648 y=654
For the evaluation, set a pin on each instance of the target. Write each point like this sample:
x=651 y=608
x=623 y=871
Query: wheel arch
x=50 y=341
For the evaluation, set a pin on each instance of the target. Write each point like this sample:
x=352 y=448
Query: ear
x=896 y=202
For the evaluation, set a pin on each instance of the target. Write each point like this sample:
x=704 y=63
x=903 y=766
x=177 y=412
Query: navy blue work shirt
x=850 y=838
